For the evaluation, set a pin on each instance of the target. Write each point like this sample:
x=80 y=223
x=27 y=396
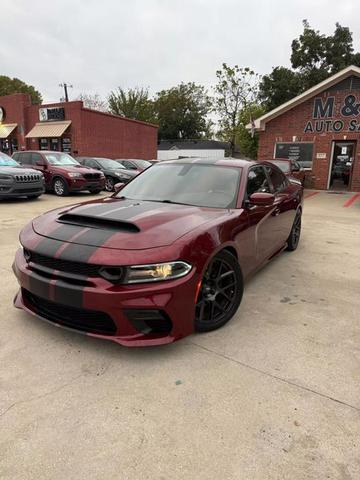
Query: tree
x=280 y=86
x=93 y=101
x=314 y=57
x=133 y=103
x=236 y=89
x=9 y=86
x=245 y=140
x=182 y=111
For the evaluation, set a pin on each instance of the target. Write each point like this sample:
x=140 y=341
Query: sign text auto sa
x=323 y=116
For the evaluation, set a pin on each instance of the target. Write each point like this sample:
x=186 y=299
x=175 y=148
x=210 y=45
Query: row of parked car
x=31 y=173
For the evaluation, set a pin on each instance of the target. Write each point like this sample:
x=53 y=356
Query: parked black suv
x=113 y=171
x=17 y=181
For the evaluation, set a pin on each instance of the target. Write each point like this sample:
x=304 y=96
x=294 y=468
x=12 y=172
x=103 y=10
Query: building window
x=301 y=152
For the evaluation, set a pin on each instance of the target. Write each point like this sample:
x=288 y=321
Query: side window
x=257 y=181
x=16 y=156
x=129 y=165
x=36 y=157
x=25 y=158
x=277 y=179
x=89 y=162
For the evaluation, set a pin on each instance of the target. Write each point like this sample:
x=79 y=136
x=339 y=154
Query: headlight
x=156 y=272
x=75 y=175
x=101 y=174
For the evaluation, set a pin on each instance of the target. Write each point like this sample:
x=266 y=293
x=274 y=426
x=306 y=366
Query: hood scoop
x=98 y=222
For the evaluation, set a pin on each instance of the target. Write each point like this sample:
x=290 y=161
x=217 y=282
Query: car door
x=262 y=231
x=39 y=163
x=283 y=213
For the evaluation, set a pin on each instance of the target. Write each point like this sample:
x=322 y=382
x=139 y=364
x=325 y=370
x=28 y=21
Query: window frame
x=246 y=196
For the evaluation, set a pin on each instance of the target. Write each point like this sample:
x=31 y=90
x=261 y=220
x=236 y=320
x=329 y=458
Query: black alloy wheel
x=109 y=184
x=220 y=293
x=294 y=237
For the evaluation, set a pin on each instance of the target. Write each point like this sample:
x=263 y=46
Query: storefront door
x=341 y=165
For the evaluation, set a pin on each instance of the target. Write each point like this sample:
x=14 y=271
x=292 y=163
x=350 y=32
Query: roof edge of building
x=148 y=124
x=320 y=87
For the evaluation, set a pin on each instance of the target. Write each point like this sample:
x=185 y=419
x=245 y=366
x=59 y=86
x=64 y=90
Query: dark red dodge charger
x=165 y=256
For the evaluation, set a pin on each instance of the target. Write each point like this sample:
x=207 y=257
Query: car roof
x=225 y=161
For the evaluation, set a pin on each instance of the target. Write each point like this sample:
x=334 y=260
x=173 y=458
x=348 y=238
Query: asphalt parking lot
x=273 y=395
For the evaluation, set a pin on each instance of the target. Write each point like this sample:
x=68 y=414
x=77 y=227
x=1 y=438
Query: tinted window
x=189 y=184
x=257 y=181
x=277 y=178
x=25 y=158
x=284 y=166
x=36 y=157
x=128 y=165
x=89 y=162
x=108 y=163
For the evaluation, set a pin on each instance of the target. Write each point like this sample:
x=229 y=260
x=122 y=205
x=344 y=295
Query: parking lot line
x=310 y=195
x=351 y=200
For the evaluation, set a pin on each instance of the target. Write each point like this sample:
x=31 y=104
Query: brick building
x=72 y=128
x=321 y=129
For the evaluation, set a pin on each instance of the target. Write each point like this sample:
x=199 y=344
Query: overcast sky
x=97 y=45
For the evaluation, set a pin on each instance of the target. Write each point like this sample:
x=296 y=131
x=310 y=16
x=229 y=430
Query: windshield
x=188 y=184
x=284 y=166
x=109 y=164
x=58 y=158
x=142 y=163
x=6 y=161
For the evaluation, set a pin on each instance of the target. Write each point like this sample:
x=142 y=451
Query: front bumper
x=175 y=299
x=80 y=184
x=19 y=189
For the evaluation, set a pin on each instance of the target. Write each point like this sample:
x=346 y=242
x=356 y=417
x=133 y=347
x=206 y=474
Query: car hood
x=18 y=171
x=124 y=224
x=79 y=169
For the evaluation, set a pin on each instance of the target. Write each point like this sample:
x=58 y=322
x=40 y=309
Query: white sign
x=321 y=155
x=2 y=114
x=43 y=115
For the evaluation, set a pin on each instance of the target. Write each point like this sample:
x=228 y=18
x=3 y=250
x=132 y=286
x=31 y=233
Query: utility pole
x=65 y=86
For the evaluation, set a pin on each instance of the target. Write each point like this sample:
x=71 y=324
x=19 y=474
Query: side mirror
x=295 y=168
x=118 y=186
x=261 y=198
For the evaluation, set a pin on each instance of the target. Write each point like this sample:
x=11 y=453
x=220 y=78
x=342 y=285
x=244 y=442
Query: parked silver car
x=17 y=181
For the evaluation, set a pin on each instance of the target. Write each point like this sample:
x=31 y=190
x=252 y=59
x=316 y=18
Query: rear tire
x=294 y=237
x=60 y=187
x=220 y=293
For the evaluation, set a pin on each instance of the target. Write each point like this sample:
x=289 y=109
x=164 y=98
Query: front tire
x=220 y=293
x=33 y=197
x=294 y=237
x=95 y=192
x=109 y=184
x=60 y=187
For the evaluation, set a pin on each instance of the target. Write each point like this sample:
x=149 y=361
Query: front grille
x=92 y=176
x=77 y=268
x=27 y=178
x=90 y=321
